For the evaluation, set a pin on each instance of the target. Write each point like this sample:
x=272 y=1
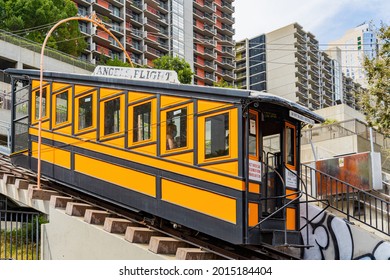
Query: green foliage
x=182 y=68
x=24 y=15
x=222 y=83
x=375 y=101
x=329 y=121
x=116 y=62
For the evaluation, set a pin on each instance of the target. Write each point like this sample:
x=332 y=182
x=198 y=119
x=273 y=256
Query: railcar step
x=277 y=237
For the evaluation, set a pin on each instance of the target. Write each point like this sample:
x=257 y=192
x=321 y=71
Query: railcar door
x=272 y=152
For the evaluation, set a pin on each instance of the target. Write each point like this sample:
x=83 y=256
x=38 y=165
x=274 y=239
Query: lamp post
x=96 y=21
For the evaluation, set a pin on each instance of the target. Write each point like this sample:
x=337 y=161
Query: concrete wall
x=340 y=113
x=333 y=238
x=25 y=58
x=70 y=238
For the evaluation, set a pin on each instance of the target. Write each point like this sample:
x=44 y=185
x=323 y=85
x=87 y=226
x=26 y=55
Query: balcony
x=227 y=7
x=204 y=6
x=102 y=7
x=152 y=53
x=151 y=25
x=241 y=75
x=240 y=66
x=101 y=37
x=209 y=77
x=136 y=6
x=151 y=12
x=227 y=19
x=227 y=75
x=227 y=40
x=225 y=63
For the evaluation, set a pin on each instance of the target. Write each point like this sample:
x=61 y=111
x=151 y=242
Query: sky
x=326 y=19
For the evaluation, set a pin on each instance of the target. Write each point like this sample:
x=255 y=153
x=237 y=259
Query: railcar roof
x=216 y=93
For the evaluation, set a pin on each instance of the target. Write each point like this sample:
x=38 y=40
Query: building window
x=176 y=129
x=61 y=100
x=111 y=116
x=85 y=112
x=217 y=136
x=142 y=122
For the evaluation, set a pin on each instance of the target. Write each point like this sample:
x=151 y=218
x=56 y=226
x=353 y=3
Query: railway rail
x=220 y=249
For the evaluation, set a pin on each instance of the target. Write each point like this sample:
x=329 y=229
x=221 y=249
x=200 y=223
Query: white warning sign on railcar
x=139 y=74
x=254 y=170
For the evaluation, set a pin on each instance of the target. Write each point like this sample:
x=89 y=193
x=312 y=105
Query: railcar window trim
x=117 y=120
x=167 y=126
x=151 y=124
x=233 y=137
x=212 y=135
x=292 y=144
x=61 y=109
x=45 y=103
x=77 y=127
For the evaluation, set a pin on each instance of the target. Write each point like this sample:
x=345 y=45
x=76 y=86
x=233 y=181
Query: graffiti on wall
x=332 y=238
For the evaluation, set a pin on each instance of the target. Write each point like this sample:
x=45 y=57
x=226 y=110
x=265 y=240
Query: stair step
x=277 y=237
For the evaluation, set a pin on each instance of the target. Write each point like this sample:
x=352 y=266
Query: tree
x=182 y=68
x=34 y=18
x=375 y=101
x=116 y=62
x=222 y=83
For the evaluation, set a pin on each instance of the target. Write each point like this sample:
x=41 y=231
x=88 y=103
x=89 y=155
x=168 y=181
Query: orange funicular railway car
x=220 y=161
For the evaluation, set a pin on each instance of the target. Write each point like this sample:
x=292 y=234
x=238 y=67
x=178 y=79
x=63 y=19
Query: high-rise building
x=355 y=44
x=200 y=31
x=251 y=63
x=287 y=62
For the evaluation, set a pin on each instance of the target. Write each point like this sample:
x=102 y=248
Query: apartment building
x=355 y=44
x=199 y=31
x=288 y=62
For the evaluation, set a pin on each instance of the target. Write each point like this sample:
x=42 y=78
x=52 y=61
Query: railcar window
x=85 y=112
x=142 y=122
x=37 y=94
x=62 y=107
x=290 y=145
x=111 y=116
x=252 y=135
x=217 y=136
x=176 y=128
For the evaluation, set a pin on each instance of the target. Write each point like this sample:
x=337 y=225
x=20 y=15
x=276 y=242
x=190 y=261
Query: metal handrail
x=370 y=209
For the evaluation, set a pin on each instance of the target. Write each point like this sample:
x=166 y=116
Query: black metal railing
x=19 y=235
x=355 y=203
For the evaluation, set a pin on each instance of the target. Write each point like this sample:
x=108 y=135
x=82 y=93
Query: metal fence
x=356 y=204
x=342 y=129
x=19 y=233
x=33 y=46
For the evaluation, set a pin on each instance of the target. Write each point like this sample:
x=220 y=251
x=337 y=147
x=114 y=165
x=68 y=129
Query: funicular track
x=216 y=249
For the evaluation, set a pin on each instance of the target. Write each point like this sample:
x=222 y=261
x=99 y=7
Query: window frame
x=294 y=136
x=233 y=136
x=256 y=114
x=190 y=129
x=121 y=131
x=68 y=109
x=35 y=109
x=153 y=122
x=93 y=94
